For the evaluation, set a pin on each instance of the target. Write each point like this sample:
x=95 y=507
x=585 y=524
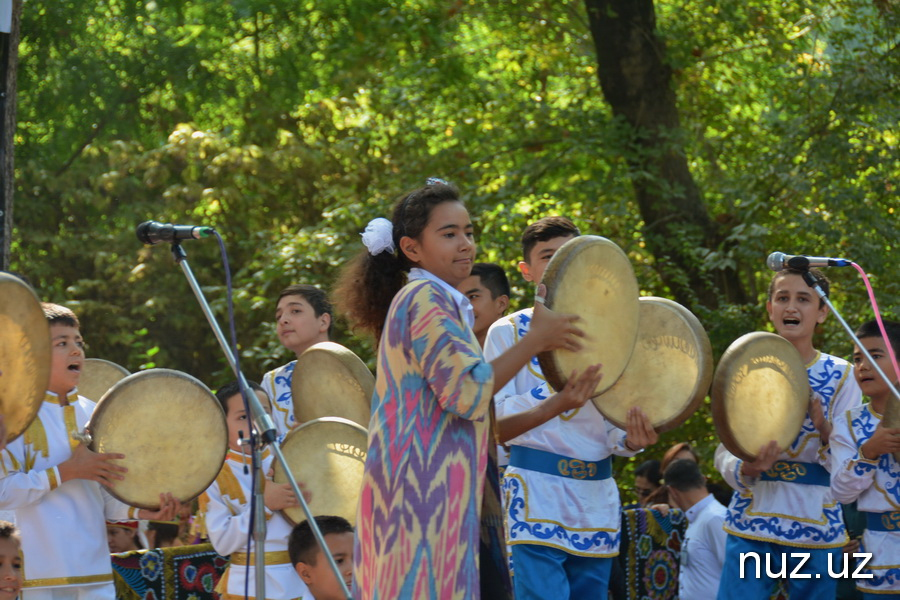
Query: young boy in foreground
x=310 y=563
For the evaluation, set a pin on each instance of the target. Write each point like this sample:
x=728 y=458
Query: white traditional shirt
x=225 y=510
x=277 y=384
x=578 y=516
x=703 y=550
x=786 y=512
x=63 y=525
x=875 y=484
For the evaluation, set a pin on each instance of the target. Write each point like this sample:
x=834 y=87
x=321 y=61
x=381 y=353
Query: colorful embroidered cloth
x=649 y=553
x=181 y=573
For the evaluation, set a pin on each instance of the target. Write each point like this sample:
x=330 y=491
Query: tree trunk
x=9 y=58
x=636 y=81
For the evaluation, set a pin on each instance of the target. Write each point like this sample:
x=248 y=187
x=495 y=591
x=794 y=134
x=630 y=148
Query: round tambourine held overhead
x=328 y=457
x=25 y=355
x=670 y=369
x=172 y=431
x=98 y=376
x=590 y=276
x=760 y=393
x=329 y=380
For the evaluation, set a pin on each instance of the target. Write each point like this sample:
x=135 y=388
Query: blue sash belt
x=559 y=465
x=884 y=521
x=797 y=472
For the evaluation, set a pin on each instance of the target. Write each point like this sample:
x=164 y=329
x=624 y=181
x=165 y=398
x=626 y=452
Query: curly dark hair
x=367 y=285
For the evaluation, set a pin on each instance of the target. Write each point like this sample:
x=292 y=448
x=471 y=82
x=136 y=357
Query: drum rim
x=277 y=468
x=718 y=391
x=705 y=375
x=349 y=360
x=552 y=372
x=102 y=407
x=27 y=292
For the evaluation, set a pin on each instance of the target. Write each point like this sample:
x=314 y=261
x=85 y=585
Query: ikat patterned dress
x=418 y=523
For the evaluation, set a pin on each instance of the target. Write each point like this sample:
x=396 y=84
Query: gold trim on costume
x=51 y=477
x=229 y=485
x=71 y=426
x=53 y=581
x=272 y=558
x=525 y=493
x=784 y=543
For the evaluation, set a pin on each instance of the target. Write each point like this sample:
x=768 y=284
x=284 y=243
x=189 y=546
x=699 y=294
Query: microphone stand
x=812 y=282
x=266 y=435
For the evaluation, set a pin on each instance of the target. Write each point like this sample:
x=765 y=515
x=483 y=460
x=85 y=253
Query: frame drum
x=591 y=277
x=329 y=380
x=98 y=376
x=760 y=393
x=328 y=455
x=24 y=355
x=171 y=430
x=670 y=369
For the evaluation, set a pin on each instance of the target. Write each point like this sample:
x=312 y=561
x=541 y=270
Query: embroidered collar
x=462 y=303
x=70 y=398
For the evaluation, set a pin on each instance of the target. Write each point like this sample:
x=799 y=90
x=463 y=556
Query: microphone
x=779 y=260
x=153 y=232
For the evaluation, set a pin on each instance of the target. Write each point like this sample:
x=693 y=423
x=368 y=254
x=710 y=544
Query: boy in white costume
x=53 y=482
x=562 y=530
x=303 y=316
x=225 y=510
x=863 y=467
x=783 y=505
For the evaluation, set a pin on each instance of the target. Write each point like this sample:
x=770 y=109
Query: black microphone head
x=776 y=261
x=143 y=232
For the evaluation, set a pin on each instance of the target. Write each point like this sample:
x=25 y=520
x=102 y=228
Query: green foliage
x=288 y=125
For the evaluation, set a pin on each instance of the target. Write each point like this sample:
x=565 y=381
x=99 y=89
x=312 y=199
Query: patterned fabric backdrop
x=649 y=552
x=181 y=573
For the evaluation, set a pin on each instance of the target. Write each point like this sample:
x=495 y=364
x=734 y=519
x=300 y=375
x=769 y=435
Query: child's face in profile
x=10 y=569
x=239 y=423
x=870 y=382
x=320 y=578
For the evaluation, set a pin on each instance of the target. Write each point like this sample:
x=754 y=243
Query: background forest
x=699 y=135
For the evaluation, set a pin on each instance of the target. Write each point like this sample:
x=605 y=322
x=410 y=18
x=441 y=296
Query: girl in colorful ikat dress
x=863 y=467
x=225 y=510
x=780 y=516
x=418 y=523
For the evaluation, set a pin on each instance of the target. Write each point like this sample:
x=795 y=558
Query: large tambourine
x=892 y=418
x=331 y=381
x=760 y=393
x=670 y=369
x=25 y=355
x=171 y=430
x=98 y=376
x=591 y=277
x=328 y=456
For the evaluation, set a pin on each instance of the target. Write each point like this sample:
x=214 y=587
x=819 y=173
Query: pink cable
x=884 y=335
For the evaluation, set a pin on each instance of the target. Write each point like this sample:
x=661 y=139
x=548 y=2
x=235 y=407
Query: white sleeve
x=20 y=488
x=616 y=438
x=510 y=399
x=729 y=466
x=851 y=474
x=227 y=522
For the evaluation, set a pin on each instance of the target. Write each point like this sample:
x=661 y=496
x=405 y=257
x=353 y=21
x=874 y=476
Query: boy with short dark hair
x=303 y=317
x=10 y=562
x=225 y=509
x=563 y=532
x=863 y=467
x=312 y=566
x=487 y=289
x=53 y=482
x=776 y=513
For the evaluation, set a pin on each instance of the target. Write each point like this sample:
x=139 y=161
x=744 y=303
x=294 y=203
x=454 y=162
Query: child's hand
x=552 y=330
x=577 y=391
x=883 y=441
x=279 y=496
x=766 y=457
x=92 y=466
x=169 y=507
x=639 y=431
x=818 y=417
